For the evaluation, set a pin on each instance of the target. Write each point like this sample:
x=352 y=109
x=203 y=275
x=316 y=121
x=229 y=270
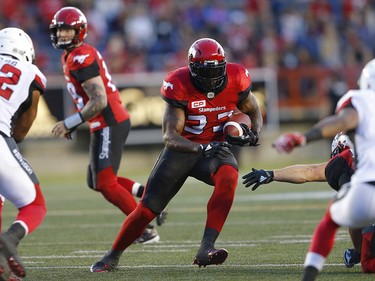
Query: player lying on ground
x=336 y=172
x=354 y=204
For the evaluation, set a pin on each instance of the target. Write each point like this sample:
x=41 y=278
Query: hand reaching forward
x=257 y=177
x=287 y=142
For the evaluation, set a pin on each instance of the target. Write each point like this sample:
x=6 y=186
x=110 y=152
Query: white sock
x=315 y=260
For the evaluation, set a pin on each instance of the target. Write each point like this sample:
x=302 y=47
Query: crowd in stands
x=154 y=35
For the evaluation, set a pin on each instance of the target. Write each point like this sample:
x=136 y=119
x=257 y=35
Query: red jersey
x=84 y=63
x=368 y=249
x=205 y=113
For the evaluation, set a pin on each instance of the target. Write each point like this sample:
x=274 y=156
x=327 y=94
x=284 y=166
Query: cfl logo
x=198 y=104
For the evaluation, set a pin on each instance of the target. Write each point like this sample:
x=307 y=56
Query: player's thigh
x=167 y=177
x=17 y=179
x=354 y=205
x=206 y=167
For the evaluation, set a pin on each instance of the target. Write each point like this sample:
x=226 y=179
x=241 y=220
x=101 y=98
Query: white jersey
x=17 y=80
x=364 y=103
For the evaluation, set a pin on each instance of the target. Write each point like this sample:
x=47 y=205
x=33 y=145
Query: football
x=232 y=126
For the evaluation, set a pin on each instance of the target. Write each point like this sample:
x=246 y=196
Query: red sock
x=1 y=211
x=114 y=192
x=218 y=207
x=324 y=235
x=33 y=214
x=133 y=227
x=135 y=188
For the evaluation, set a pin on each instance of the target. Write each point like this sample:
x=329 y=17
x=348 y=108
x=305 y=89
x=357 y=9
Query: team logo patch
x=167 y=85
x=198 y=104
x=80 y=59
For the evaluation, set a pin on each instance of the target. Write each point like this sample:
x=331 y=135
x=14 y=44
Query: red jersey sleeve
x=83 y=63
x=173 y=89
x=242 y=80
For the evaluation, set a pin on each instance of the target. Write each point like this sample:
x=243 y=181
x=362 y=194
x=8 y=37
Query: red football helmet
x=68 y=17
x=207 y=64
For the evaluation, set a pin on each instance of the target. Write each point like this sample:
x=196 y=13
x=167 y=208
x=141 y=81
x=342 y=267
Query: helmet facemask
x=64 y=44
x=340 y=143
x=209 y=75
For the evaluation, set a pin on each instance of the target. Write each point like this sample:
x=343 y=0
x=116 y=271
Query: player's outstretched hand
x=249 y=138
x=257 y=177
x=216 y=149
x=287 y=142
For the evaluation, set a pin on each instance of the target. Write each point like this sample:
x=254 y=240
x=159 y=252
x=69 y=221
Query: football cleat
x=310 y=273
x=4 y=269
x=210 y=256
x=13 y=277
x=108 y=263
x=8 y=250
x=160 y=219
x=149 y=236
x=351 y=257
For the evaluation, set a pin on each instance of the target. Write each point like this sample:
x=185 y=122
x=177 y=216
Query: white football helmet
x=15 y=42
x=340 y=143
x=367 y=78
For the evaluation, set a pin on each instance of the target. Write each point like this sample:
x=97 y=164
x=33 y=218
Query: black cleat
x=4 y=269
x=106 y=264
x=149 y=236
x=310 y=273
x=160 y=219
x=8 y=250
x=351 y=257
x=210 y=256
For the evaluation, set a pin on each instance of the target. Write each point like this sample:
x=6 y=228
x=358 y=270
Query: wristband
x=73 y=121
x=271 y=174
x=313 y=134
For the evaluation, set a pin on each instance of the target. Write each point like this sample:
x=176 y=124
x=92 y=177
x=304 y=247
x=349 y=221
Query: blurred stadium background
x=302 y=55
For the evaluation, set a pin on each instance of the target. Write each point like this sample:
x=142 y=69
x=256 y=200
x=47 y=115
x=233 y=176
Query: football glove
x=257 y=177
x=215 y=149
x=249 y=138
x=287 y=142
x=69 y=135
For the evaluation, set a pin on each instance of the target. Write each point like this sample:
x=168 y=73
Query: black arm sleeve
x=86 y=73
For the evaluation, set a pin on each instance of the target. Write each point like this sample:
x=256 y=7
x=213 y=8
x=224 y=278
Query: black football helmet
x=68 y=17
x=207 y=64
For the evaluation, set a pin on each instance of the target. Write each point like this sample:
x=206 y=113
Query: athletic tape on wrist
x=73 y=121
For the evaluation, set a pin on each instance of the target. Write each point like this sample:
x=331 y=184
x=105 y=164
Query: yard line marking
x=183 y=266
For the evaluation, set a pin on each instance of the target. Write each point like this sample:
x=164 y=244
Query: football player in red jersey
x=199 y=99
x=98 y=102
x=22 y=84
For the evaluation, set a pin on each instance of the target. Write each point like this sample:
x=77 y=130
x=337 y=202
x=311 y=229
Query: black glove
x=216 y=149
x=257 y=177
x=249 y=138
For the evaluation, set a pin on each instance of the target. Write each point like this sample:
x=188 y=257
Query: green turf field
x=267 y=235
